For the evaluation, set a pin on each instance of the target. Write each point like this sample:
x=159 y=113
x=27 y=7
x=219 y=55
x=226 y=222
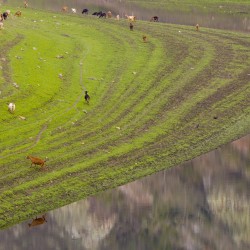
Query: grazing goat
x=103 y=14
x=5 y=15
x=37 y=221
x=154 y=19
x=130 y=18
x=64 y=8
x=109 y=14
x=131 y=26
x=25 y=4
x=18 y=13
x=11 y=107
x=36 y=161
x=197 y=27
x=87 y=97
x=144 y=38
x=85 y=11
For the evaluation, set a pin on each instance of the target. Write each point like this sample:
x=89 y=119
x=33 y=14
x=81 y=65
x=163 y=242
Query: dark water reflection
x=202 y=204
x=228 y=19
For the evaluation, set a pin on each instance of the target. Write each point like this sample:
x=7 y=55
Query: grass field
x=153 y=105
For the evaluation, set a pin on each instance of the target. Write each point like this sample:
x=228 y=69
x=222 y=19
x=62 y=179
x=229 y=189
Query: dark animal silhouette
x=85 y=11
x=98 y=13
x=87 y=97
x=37 y=221
x=102 y=15
x=5 y=15
x=154 y=19
x=144 y=38
x=95 y=13
x=131 y=26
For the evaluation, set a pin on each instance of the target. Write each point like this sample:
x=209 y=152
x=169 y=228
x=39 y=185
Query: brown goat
x=37 y=221
x=18 y=13
x=65 y=9
x=197 y=27
x=144 y=38
x=36 y=161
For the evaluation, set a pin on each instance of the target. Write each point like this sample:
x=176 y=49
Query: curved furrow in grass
x=7 y=88
x=130 y=118
x=126 y=110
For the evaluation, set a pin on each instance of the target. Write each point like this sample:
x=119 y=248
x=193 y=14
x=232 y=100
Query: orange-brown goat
x=37 y=221
x=36 y=161
x=18 y=13
x=65 y=9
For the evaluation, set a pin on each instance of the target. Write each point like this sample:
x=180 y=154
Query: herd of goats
x=109 y=14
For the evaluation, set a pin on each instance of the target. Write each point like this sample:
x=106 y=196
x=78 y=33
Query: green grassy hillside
x=153 y=105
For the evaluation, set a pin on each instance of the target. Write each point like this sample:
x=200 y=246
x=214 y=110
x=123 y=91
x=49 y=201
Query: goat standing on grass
x=36 y=161
x=11 y=107
x=87 y=97
x=18 y=13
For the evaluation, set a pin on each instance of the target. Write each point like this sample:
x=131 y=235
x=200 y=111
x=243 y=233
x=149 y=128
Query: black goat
x=102 y=15
x=85 y=11
x=87 y=97
x=5 y=15
x=154 y=19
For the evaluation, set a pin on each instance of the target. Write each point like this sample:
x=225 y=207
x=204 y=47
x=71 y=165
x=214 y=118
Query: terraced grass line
x=152 y=104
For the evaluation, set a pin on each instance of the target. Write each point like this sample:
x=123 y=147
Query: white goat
x=131 y=18
x=11 y=107
x=73 y=10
